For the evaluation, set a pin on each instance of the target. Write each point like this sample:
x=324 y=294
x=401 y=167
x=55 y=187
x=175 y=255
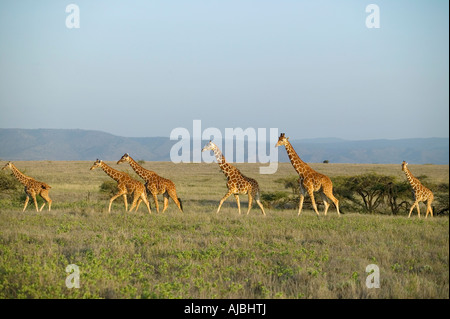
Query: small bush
x=9 y=186
x=109 y=188
x=275 y=199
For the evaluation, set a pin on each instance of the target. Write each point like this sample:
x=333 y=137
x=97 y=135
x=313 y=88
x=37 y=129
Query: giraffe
x=237 y=183
x=420 y=192
x=32 y=187
x=155 y=184
x=310 y=181
x=126 y=185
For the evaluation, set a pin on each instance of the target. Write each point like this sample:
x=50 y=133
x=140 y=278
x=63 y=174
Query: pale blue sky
x=309 y=68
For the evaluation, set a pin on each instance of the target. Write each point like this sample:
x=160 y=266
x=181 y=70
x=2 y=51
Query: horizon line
x=292 y=139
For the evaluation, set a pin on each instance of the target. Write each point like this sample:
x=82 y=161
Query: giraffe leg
x=236 y=196
x=300 y=204
x=113 y=198
x=155 y=199
x=250 y=203
x=166 y=201
x=35 y=202
x=145 y=200
x=411 y=209
x=329 y=196
x=258 y=201
x=138 y=204
x=313 y=201
x=173 y=195
x=49 y=201
x=429 y=209
x=44 y=195
x=261 y=206
x=223 y=199
x=325 y=202
x=125 y=201
x=336 y=203
x=416 y=203
x=302 y=197
x=26 y=203
x=134 y=203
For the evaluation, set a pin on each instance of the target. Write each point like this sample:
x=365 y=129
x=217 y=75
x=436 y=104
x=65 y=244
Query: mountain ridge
x=78 y=144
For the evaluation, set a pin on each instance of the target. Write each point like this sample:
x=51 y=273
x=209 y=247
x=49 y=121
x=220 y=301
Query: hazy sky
x=309 y=68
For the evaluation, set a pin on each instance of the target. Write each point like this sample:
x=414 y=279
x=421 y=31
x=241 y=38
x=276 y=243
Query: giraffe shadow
x=213 y=204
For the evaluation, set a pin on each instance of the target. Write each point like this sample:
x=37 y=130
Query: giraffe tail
x=181 y=204
x=45 y=186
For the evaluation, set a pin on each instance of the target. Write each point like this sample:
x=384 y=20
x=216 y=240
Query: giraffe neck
x=138 y=168
x=22 y=178
x=411 y=179
x=296 y=161
x=226 y=167
x=111 y=172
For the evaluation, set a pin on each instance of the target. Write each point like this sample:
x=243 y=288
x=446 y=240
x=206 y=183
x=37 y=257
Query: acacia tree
x=370 y=188
x=395 y=196
x=371 y=192
x=9 y=184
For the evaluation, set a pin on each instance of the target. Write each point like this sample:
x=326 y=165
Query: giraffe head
x=404 y=166
x=124 y=158
x=97 y=163
x=282 y=140
x=210 y=147
x=8 y=165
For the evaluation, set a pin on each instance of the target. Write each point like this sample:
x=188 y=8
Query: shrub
x=441 y=198
x=109 y=188
x=375 y=193
x=11 y=191
x=275 y=199
x=10 y=186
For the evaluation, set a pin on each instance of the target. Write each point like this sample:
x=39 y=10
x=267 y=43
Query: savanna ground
x=201 y=254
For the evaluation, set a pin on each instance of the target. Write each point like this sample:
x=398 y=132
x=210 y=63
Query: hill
x=75 y=144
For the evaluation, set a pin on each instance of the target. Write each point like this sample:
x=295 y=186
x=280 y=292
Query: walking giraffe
x=32 y=187
x=155 y=184
x=126 y=185
x=237 y=183
x=420 y=192
x=310 y=181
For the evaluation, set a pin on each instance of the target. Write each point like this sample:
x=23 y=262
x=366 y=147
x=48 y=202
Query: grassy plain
x=199 y=254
